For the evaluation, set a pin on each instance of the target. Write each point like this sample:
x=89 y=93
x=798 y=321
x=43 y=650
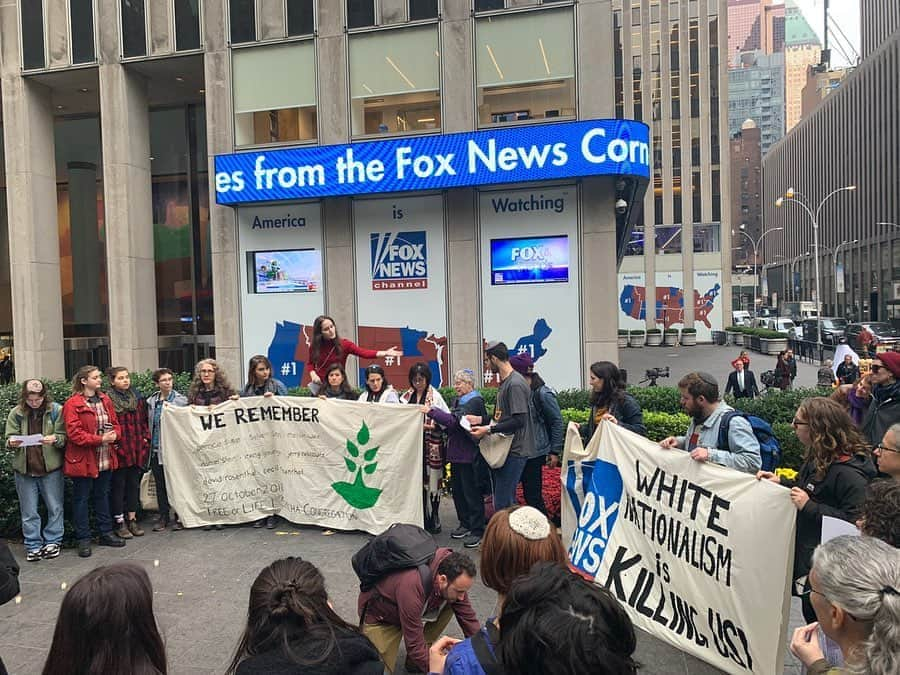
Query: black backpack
x=400 y=547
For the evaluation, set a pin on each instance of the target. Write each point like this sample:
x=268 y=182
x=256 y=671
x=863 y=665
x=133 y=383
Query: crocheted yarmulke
x=530 y=523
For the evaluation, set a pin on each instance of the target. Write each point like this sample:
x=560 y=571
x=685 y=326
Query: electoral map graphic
x=289 y=352
x=532 y=344
x=669 y=304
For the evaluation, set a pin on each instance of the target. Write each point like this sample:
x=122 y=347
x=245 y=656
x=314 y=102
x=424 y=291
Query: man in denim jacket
x=700 y=400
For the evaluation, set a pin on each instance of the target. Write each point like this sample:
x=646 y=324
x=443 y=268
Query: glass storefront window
x=525 y=67
x=395 y=81
x=81 y=17
x=668 y=237
x=32 y=15
x=187 y=25
x=134 y=28
x=706 y=237
x=300 y=19
x=242 y=19
x=274 y=93
x=635 y=245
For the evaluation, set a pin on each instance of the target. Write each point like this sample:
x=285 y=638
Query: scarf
x=465 y=398
x=124 y=402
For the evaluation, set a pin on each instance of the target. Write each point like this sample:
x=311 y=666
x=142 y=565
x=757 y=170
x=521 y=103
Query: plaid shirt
x=133 y=447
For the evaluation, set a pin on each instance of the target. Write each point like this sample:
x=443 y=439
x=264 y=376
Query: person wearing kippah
x=884 y=408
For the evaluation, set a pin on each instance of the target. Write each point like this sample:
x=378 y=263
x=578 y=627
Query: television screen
x=296 y=271
x=530 y=260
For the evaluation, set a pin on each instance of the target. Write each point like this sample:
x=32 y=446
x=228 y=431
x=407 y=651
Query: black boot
x=435 y=515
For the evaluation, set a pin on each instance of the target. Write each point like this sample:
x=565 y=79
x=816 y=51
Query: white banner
x=339 y=464
x=698 y=554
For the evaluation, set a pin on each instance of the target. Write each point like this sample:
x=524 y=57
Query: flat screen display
x=530 y=260
x=291 y=271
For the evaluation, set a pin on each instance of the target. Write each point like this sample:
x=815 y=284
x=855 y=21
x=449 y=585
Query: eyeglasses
x=875 y=367
x=207 y=372
x=799 y=423
x=881 y=447
x=811 y=590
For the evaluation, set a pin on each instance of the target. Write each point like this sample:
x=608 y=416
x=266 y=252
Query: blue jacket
x=463 y=660
x=547 y=421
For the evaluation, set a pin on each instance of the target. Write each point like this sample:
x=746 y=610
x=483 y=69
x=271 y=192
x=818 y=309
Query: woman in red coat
x=132 y=452
x=328 y=348
x=91 y=430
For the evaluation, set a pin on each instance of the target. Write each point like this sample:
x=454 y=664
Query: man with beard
x=884 y=408
x=700 y=400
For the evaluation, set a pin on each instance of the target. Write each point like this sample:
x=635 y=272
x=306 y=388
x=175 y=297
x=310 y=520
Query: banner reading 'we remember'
x=698 y=554
x=338 y=464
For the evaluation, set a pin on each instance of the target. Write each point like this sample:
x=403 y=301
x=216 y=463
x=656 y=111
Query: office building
x=754 y=25
x=820 y=84
x=879 y=20
x=756 y=92
x=802 y=49
x=746 y=193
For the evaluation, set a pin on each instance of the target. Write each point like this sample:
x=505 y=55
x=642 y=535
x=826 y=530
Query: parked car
x=781 y=324
x=741 y=317
x=887 y=337
x=833 y=329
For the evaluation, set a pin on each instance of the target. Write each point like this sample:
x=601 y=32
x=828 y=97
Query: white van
x=740 y=317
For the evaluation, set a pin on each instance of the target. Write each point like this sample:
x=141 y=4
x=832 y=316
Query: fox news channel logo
x=399 y=261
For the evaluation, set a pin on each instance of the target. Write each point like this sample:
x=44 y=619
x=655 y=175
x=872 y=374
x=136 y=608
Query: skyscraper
x=756 y=92
x=802 y=48
x=879 y=19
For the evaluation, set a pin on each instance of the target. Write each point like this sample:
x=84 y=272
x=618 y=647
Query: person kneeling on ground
x=855 y=591
x=397 y=607
x=700 y=400
x=292 y=628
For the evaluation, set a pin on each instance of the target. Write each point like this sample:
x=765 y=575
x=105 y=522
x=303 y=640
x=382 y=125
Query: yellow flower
x=790 y=474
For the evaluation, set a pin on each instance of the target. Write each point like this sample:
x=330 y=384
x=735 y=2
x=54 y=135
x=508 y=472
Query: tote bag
x=494 y=448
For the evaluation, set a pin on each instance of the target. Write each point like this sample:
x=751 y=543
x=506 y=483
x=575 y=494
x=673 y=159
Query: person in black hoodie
x=9 y=581
x=610 y=401
x=832 y=481
x=292 y=628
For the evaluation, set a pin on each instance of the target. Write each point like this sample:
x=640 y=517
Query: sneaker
x=270 y=522
x=33 y=556
x=177 y=526
x=472 y=541
x=122 y=531
x=50 y=551
x=459 y=533
x=84 y=549
x=160 y=525
x=110 y=540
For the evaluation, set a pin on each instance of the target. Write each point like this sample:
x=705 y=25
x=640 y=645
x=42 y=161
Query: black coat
x=847 y=374
x=750 y=389
x=354 y=655
x=628 y=413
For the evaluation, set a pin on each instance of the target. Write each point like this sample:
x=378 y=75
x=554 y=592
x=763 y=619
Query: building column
x=463 y=273
x=222 y=219
x=599 y=300
x=31 y=201
x=127 y=201
x=340 y=288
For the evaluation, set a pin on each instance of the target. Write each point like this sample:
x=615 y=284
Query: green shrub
x=661 y=425
x=659 y=399
x=653 y=331
x=575 y=415
x=688 y=330
x=637 y=333
x=574 y=398
x=670 y=331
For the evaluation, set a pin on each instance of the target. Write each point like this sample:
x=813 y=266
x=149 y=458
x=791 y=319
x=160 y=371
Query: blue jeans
x=50 y=488
x=98 y=489
x=506 y=478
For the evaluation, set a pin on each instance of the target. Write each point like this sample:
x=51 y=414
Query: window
x=300 y=17
x=525 y=66
x=706 y=238
x=668 y=237
x=395 y=81
x=134 y=28
x=635 y=245
x=187 y=25
x=81 y=17
x=423 y=9
x=274 y=93
x=242 y=18
x=360 y=13
x=487 y=5
x=32 y=34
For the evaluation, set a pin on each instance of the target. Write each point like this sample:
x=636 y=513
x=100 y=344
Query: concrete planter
x=622 y=341
x=772 y=346
x=670 y=339
x=738 y=339
x=654 y=339
x=733 y=336
x=688 y=339
x=636 y=339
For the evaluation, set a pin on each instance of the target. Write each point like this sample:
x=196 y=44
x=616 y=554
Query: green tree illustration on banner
x=359 y=461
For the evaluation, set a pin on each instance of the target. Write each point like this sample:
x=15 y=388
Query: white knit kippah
x=530 y=523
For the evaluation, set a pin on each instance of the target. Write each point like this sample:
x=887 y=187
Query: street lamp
x=790 y=195
x=755 y=245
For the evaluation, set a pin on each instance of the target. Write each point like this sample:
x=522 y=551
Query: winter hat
x=530 y=523
x=891 y=361
x=522 y=364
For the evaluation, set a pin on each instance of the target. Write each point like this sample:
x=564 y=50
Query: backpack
x=769 y=447
x=768 y=378
x=400 y=547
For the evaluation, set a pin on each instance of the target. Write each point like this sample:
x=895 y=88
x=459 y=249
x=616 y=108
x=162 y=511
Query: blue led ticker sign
x=515 y=155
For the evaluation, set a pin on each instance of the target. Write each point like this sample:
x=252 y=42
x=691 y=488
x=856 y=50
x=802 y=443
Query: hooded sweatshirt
x=839 y=493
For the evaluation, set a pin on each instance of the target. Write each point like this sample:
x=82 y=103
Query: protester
x=888 y=452
x=260 y=381
x=741 y=381
x=782 y=371
x=397 y=607
x=6 y=369
x=791 y=362
x=511 y=416
x=210 y=385
x=132 y=450
x=461 y=453
x=866 y=341
x=848 y=371
x=292 y=628
x=421 y=393
x=832 y=480
x=37 y=468
x=859 y=396
x=854 y=589
x=328 y=348
x=884 y=408
x=91 y=429
x=700 y=400
x=9 y=581
x=610 y=402
x=825 y=375
x=745 y=357
x=549 y=431
x=879 y=515
x=106 y=625
x=378 y=389
x=516 y=538
x=165 y=380
x=337 y=385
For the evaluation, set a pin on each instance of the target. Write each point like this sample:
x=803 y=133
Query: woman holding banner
x=378 y=390
x=210 y=386
x=610 y=401
x=832 y=480
x=337 y=385
x=328 y=348
x=260 y=381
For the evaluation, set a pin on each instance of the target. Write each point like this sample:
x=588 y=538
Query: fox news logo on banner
x=399 y=261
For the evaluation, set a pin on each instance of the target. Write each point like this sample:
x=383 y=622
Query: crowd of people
x=105 y=439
